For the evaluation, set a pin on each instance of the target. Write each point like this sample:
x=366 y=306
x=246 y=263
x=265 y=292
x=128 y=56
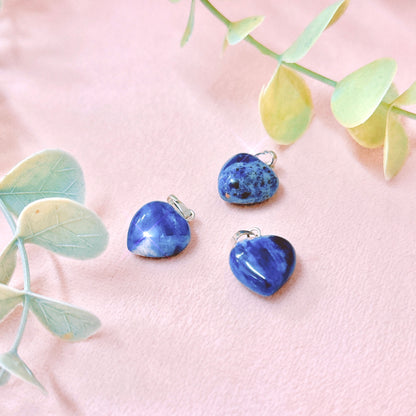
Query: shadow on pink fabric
x=109 y=83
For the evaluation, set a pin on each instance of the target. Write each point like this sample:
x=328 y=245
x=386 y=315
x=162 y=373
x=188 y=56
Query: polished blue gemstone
x=245 y=179
x=263 y=264
x=157 y=230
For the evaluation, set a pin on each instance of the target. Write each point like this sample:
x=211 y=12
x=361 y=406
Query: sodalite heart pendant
x=262 y=263
x=160 y=229
x=245 y=179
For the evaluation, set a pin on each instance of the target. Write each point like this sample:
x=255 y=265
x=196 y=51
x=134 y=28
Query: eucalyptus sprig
x=45 y=194
x=365 y=102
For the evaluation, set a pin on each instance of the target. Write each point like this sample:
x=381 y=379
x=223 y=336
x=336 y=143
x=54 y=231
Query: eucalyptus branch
x=365 y=102
x=26 y=276
x=44 y=193
x=299 y=68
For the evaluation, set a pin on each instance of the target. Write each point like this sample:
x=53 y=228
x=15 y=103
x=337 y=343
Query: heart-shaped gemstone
x=263 y=264
x=245 y=179
x=157 y=230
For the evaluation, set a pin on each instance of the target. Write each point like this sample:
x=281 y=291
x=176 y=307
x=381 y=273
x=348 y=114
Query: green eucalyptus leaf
x=4 y=376
x=313 y=31
x=372 y=132
x=237 y=31
x=357 y=96
x=174 y=1
x=9 y=299
x=190 y=25
x=285 y=106
x=8 y=262
x=339 y=12
x=396 y=147
x=50 y=173
x=408 y=97
x=64 y=227
x=63 y=320
x=11 y=362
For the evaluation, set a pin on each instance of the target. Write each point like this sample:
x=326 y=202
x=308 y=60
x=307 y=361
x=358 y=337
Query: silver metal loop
x=182 y=209
x=253 y=233
x=270 y=154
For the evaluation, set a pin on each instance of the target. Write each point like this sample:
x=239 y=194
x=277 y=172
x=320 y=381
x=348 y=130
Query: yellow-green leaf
x=8 y=262
x=285 y=106
x=47 y=174
x=9 y=299
x=396 y=147
x=237 y=31
x=339 y=12
x=408 y=97
x=372 y=132
x=64 y=227
x=313 y=31
x=11 y=362
x=63 y=320
x=357 y=96
x=190 y=25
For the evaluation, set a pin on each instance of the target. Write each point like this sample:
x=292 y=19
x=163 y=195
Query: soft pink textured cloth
x=108 y=82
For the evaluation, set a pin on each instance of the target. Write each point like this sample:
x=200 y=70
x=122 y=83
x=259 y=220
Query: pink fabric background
x=108 y=82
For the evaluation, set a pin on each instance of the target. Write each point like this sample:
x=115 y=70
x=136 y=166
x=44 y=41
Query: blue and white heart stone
x=158 y=230
x=263 y=264
x=245 y=179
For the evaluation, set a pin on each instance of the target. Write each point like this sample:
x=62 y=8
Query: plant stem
x=263 y=49
x=26 y=276
x=402 y=112
x=22 y=325
x=299 y=68
x=215 y=12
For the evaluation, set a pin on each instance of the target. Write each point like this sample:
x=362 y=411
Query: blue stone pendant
x=160 y=229
x=245 y=179
x=262 y=263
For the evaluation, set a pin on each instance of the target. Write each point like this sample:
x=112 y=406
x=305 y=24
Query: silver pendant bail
x=271 y=156
x=253 y=233
x=181 y=208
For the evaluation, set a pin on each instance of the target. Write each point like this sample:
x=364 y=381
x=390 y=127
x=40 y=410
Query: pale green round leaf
x=285 y=106
x=372 y=132
x=63 y=320
x=313 y=31
x=8 y=262
x=190 y=25
x=9 y=299
x=14 y=365
x=357 y=96
x=64 y=227
x=396 y=147
x=237 y=31
x=47 y=174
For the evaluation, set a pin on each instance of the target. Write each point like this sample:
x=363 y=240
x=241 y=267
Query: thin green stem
x=25 y=261
x=22 y=325
x=402 y=112
x=311 y=74
x=263 y=49
x=299 y=68
x=26 y=276
x=215 y=12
